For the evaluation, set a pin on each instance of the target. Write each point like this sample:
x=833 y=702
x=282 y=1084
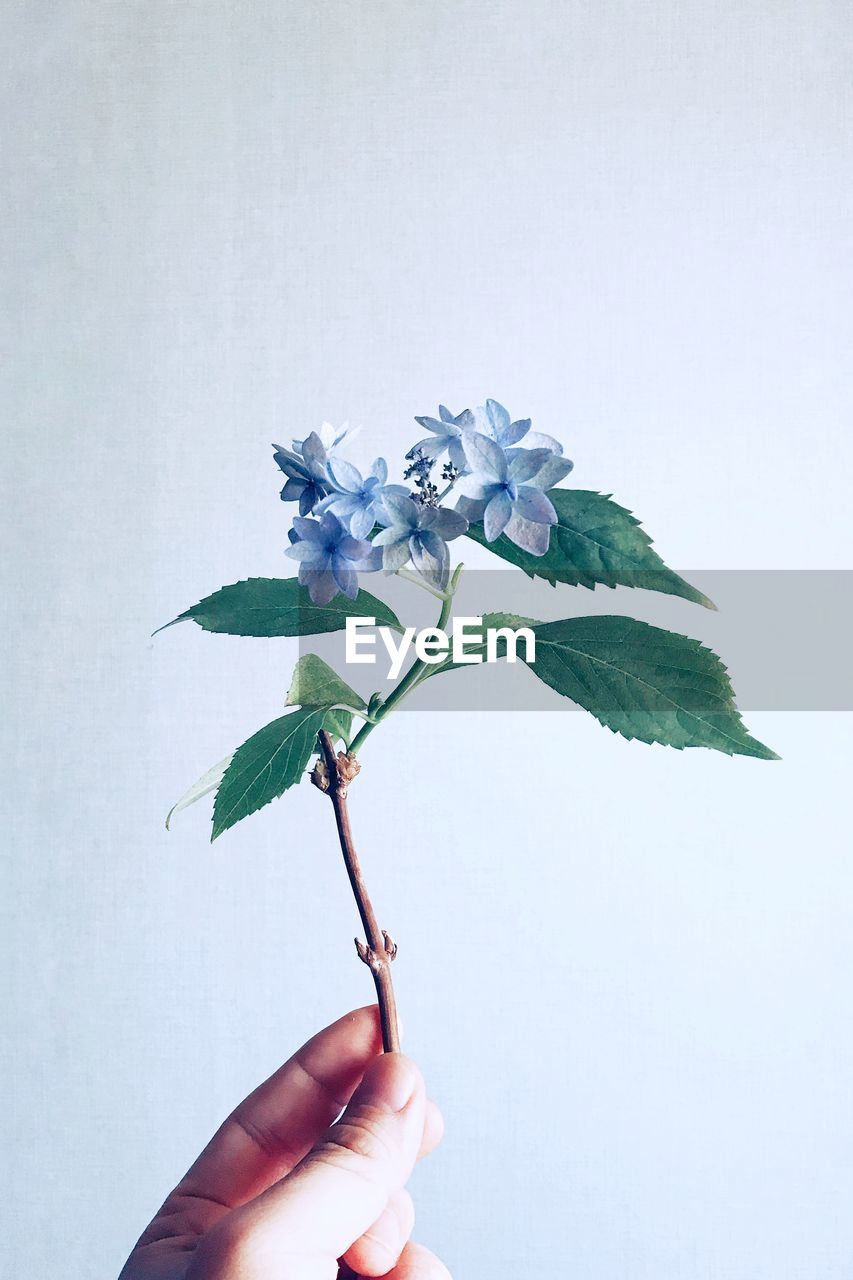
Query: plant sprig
x=640 y=681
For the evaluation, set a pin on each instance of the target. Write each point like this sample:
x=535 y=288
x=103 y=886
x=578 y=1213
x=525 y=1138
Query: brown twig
x=333 y=775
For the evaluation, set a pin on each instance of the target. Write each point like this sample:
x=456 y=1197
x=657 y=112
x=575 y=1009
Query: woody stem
x=380 y=949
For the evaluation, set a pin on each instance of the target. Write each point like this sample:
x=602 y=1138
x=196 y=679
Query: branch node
x=348 y=767
x=364 y=952
x=320 y=776
x=390 y=945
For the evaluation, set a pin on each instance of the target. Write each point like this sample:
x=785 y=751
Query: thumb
x=344 y=1183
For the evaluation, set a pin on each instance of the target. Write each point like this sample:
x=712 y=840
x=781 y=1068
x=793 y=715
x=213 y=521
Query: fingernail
x=391 y=1081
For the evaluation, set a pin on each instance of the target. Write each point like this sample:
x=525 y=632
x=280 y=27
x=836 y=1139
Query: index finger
x=278 y=1123
x=267 y=1134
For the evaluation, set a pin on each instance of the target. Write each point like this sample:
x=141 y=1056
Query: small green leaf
x=376 y=701
x=269 y=762
x=595 y=542
x=315 y=684
x=338 y=723
x=207 y=783
x=280 y=607
x=644 y=682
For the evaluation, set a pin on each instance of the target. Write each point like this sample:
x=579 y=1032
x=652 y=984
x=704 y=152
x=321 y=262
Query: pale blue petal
x=396 y=555
x=341 y=505
x=344 y=475
x=309 y=530
x=433 y=545
x=514 y=432
x=554 y=470
x=484 y=456
x=320 y=583
x=293 y=489
x=479 y=487
x=447 y=422
x=444 y=521
x=498 y=418
x=387 y=537
x=329 y=526
x=525 y=463
x=380 y=493
x=471 y=510
x=371 y=562
x=380 y=512
x=345 y=576
x=497 y=515
x=529 y=536
x=538 y=440
x=456 y=454
x=346 y=432
x=310 y=553
x=401 y=509
x=431 y=557
x=532 y=504
x=352 y=548
x=432 y=446
x=362 y=521
x=380 y=470
x=289 y=462
x=314 y=454
x=435 y=425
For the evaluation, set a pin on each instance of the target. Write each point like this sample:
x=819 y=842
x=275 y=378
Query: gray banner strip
x=784 y=635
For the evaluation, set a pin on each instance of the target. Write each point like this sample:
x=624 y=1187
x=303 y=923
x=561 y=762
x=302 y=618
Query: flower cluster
x=497 y=471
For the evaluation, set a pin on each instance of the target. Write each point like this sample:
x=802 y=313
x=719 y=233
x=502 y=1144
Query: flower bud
x=320 y=775
x=348 y=768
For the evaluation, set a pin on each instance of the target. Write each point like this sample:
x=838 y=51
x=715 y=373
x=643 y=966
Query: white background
x=624 y=970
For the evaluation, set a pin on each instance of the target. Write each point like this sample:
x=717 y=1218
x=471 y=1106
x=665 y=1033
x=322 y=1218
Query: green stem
x=419 y=582
x=413 y=676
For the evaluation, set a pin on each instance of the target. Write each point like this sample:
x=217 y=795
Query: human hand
x=283 y=1193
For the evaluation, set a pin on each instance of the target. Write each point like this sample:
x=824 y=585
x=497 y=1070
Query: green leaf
x=207 y=783
x=644 y=682
x=596 y=542
x=280 y=607
x=491 y=622
x=275 y=757
x=339 y=724
x=269 y=762
x=315 y=684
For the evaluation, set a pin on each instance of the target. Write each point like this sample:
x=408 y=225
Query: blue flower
x=504 y=490
x=492 y=420
x=331 y=437
x=307 y=478
x=355 y=501
x=330 y=558
x=447 y=435
x=419 y=533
